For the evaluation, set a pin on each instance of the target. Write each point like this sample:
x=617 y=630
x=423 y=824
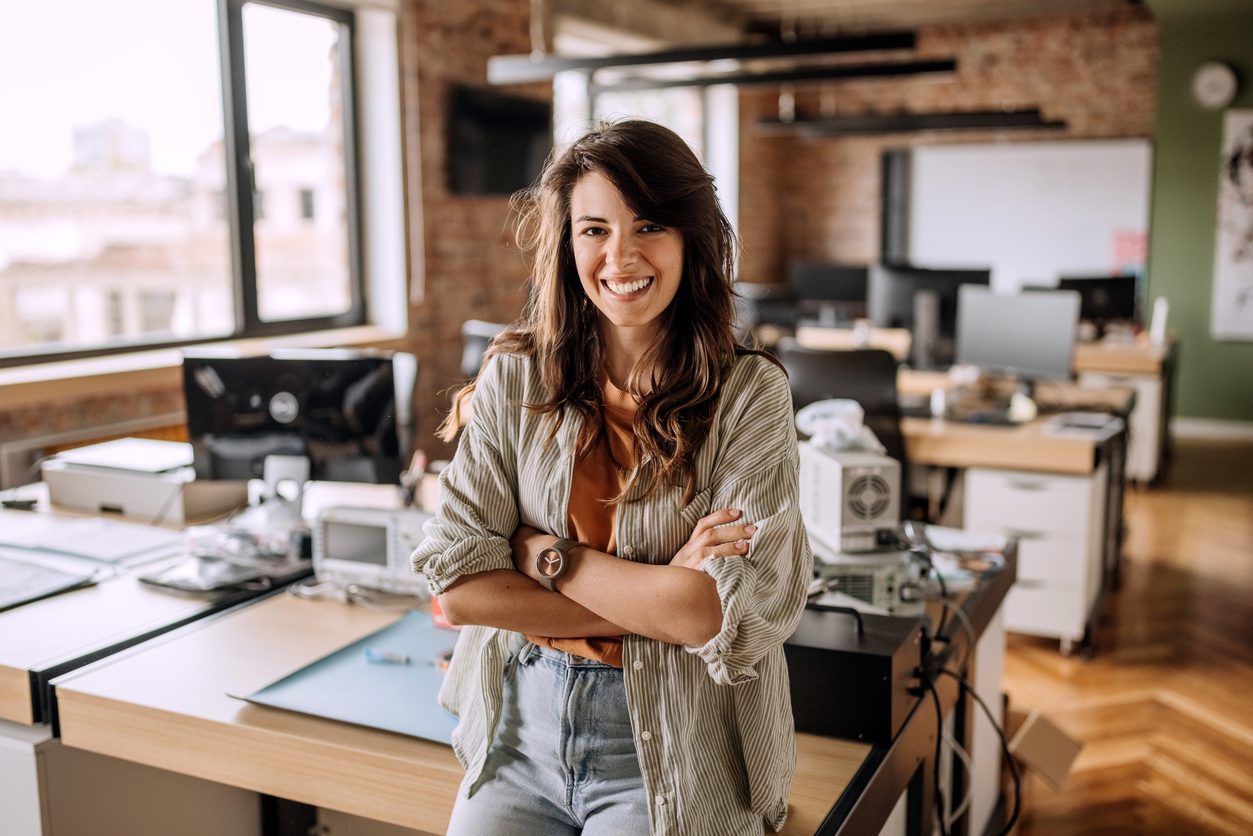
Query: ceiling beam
x=887 y=123
x=788 y=76
x=525 y=69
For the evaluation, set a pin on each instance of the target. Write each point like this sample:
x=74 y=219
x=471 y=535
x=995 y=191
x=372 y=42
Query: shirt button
x=646 y=735
x=661 y=802
x=638 y=665
x=629 y=551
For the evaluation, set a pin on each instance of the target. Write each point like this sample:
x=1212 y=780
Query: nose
x=621 y=251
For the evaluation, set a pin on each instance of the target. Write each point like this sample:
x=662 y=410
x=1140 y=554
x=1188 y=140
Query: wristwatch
x=553 y=562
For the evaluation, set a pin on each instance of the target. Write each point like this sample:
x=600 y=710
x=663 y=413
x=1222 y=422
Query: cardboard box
x=1037 y=743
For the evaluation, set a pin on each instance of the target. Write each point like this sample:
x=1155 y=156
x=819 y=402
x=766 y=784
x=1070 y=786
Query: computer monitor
x=832 y=292
x=1104 y=298
x=348 y=412
x=924 y=301
x=1028 y=336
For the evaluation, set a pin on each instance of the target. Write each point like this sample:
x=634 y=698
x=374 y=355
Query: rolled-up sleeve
x=762 y=592
x=478 y=507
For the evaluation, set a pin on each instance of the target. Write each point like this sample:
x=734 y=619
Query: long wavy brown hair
x=679 y=376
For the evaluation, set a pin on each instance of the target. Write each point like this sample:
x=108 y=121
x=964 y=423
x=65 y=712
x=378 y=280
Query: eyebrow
x=594 y=219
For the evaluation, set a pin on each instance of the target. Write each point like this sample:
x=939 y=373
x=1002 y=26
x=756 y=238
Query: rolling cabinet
x=1060 y=525
x=1147 y=424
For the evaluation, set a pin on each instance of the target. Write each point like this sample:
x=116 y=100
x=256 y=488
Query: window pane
x=296 y=129
x=111 y=171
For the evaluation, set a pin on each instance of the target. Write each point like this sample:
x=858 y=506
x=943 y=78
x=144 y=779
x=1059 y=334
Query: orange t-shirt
x=598 y=476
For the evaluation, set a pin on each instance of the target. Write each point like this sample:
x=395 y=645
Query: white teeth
x=629 y=287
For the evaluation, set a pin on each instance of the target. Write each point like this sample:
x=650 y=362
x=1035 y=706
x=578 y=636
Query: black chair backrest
x=865 y=375
x=476 y=336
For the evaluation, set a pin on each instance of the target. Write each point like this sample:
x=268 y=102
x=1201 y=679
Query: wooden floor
x=1165 y=706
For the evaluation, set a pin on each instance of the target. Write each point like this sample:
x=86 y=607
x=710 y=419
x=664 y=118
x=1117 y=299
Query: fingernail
x=734 y=512
x=740 y=544
x=750 y=529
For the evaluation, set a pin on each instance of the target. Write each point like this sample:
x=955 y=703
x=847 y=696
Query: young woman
x=619 y=530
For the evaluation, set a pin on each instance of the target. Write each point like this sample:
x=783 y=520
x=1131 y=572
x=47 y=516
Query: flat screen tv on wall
x=497 y=142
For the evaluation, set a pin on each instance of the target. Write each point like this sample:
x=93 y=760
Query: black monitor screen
x=337 y=408
x=1104 y=298
x=1027 y=335
x=834 y=291
x=497 y=142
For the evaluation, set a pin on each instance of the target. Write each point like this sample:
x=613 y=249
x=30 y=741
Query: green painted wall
x=1215 y=379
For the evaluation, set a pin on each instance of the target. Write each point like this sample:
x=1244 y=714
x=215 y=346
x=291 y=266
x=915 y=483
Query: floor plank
x=1163 y=706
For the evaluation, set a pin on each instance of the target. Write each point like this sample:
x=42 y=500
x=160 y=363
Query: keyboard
x=993 y=417
x=22 y=582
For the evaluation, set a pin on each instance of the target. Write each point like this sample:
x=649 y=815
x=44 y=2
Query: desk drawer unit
x=1058 y=521
x=1144 y=429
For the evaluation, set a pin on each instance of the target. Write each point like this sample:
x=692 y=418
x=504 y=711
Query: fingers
x=720 y=517
x=736 y=547
x=724 y=534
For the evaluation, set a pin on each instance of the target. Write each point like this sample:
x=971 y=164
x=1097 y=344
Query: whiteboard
x=1032 y=211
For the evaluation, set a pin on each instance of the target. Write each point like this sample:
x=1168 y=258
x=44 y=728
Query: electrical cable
x=969 y=628
x=352 y=594
x=940 y=803
x=964 y=757
x=1000 y=733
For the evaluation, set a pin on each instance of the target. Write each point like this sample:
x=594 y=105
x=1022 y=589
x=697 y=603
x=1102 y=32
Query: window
x=128 y=214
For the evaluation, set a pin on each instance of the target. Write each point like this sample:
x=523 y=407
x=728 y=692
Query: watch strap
x=553 y=562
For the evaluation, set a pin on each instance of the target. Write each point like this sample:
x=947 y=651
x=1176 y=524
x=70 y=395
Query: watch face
x=550 y=563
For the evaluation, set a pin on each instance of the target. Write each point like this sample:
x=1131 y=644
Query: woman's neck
x=623 y=349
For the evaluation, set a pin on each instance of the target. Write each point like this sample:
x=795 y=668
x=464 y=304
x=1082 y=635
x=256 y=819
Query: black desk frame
x=906 y=764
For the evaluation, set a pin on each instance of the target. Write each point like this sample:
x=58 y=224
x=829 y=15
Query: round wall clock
x=1214 y=85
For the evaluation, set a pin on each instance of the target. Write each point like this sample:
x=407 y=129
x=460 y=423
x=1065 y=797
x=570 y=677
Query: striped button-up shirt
x=712 y=724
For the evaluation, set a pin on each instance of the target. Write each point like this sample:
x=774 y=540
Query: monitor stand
x=926 y=329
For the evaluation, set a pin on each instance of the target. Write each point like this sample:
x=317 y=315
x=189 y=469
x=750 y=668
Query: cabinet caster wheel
x=1067 y=647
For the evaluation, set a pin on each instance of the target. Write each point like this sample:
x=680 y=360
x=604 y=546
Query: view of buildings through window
x=114 y=214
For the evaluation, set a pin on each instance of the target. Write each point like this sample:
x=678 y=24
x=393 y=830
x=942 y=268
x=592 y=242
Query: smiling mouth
x=627 y=288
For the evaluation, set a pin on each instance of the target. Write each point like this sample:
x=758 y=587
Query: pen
x=385 y=657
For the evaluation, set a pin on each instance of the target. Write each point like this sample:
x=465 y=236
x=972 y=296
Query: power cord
x=964 y=757
x=1000 y=733
x=352 y=594
x=938 y=795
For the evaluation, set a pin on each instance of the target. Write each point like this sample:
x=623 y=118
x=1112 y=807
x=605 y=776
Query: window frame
x=240 y=210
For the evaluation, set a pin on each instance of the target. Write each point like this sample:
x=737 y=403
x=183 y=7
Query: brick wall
x=472 y=267
x=819 y=198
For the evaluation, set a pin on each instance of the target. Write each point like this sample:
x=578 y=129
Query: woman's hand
x=527 y=543
x=714 y=537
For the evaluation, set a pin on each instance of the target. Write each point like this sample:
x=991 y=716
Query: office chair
x=865 y=375
x=476 y=336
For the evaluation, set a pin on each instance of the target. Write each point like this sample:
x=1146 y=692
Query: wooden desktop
x=168 y=705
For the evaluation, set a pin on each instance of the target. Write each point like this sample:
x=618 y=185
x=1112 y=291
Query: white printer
x=143 y=478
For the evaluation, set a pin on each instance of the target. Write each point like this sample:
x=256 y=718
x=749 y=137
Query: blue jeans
x=563 y=760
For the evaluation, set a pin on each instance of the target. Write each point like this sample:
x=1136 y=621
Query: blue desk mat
x=347 y=686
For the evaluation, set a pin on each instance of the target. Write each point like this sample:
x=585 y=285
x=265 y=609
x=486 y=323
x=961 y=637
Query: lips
x=627 y=287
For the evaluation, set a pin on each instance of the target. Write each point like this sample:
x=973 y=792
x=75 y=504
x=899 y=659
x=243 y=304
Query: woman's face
x=629 y=266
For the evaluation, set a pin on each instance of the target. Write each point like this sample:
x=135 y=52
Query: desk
x=1062 y=495
x=165 y=705
x=894 y=340
x=44 y=639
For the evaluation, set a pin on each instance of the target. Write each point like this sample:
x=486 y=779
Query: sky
x=153 y=63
